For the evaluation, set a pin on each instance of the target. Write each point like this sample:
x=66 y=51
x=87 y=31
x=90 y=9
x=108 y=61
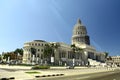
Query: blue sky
x=53 y=20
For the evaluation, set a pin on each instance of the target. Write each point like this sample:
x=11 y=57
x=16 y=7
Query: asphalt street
x=69 y=74
x=112 y=75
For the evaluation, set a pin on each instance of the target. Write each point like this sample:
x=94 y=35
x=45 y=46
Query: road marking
x=83 y=77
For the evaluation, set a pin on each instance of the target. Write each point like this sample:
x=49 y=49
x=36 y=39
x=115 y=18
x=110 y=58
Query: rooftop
x=39 y=41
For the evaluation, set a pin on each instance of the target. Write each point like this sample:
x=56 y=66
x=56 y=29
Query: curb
x=49 y=75
x=11 y=78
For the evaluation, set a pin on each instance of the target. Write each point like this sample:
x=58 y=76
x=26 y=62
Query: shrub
x=33 y=72
x=25 y=65
x=40 y=67
x=21 y=64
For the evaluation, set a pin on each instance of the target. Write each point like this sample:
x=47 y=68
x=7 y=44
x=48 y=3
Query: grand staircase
x=93 y=62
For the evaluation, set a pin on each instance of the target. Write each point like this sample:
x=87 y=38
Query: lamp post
x=2 y=57
x=18 y=54
x=8 y=60
x=73 y=61
x=37 y=59
x=52 y=60
x=33 y=59
x=41 y=61
x=85 y=58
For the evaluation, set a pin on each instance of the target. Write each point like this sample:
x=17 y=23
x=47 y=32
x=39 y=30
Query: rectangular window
x=68 y=55
x=63 y=55
x=59 y=55
x=41 y=50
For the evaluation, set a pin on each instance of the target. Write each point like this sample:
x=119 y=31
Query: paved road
x=70 y=74
x=113 y=75
x=1 y=70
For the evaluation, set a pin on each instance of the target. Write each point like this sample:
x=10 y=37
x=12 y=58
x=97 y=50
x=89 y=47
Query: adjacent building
x=113 y=61
x=38 y=45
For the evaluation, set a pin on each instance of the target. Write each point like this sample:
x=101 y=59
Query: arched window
x=39 y=44
x=35 y=44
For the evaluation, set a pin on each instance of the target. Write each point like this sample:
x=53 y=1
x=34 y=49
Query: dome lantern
x=79 y=21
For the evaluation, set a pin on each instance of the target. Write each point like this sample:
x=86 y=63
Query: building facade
x=64 y=53
x=81 y=39
x=36 y=44
x=113 y=61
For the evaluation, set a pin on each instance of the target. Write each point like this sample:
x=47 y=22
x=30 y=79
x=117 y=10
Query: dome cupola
x=80 y=33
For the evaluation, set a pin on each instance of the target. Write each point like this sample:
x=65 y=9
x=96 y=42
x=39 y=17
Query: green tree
x=76 y=50
x=33 y=51
x=6 y=55
x=47 y=51
x=73 y=47
x=0 y=57
x=19 y=50
x=106 y=54
x=54 y=48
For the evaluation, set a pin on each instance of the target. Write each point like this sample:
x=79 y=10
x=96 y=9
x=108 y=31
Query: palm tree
x=47 y=52
x=33 y=52
x=20 y=51
x=106 y=54
x=74 y=48
x=54 y=48
x=76 y=52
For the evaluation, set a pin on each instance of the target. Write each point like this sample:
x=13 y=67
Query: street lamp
x=18 y=54
x=52 y=60
x=73 y=61
x=8 y=60
x=33 y=59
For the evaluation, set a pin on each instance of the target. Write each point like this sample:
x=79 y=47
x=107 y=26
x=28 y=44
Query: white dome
x=79 y=29
x=80 y=33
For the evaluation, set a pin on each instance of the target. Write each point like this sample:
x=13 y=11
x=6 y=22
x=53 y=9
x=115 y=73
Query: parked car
x=70 y=67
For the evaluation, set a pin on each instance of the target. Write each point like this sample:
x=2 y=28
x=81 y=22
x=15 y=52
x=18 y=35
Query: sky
x=53 y=21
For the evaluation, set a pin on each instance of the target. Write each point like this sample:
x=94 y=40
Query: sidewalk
x=21 y=75
x=20 y=72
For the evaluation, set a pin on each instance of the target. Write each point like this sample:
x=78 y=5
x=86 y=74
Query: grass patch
x=40 y=67
x=33 y=72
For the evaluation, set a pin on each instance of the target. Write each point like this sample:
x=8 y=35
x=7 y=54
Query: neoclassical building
x=38 y=45
x=81 y=39
x=64 y=54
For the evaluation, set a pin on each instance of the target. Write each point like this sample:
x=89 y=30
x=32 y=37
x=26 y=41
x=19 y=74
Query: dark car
x=70 y=67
